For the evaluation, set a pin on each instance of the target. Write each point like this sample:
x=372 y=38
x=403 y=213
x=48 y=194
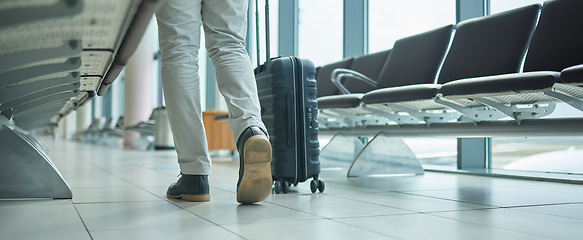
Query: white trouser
x=225 y=27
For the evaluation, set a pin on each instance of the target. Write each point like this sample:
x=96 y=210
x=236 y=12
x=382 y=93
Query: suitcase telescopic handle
x=257 y=32
x=267 y=33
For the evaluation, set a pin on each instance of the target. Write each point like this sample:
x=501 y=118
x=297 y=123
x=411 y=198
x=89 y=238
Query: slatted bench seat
x=55 y=56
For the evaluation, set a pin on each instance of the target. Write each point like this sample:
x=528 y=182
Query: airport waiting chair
x=532 y=94
x=483 y=46
x=413 y=60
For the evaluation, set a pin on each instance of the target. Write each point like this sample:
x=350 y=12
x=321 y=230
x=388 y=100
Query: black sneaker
x=255 y=179
x=192 y=188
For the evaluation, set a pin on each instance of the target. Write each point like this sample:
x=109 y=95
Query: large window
x=320 y=30
x=390 y=20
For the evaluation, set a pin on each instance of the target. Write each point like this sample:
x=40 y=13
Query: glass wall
x=540 y=154
x=436 y=152
x=390 y=20
x=320 y=30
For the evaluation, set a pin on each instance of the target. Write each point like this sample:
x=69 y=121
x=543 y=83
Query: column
x=83 y=118
x=138 y=86
x=473 y=153
x=288 y=28
x=355 y=28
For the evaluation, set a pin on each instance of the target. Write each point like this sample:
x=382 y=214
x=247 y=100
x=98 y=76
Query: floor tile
x=520 y=221
x=337 y=182
x=32 y=202
x=330 y=206
x=412 y=202
x=148 y=178
x=41 y=221
x=314 y=229
x=96 y=182
x=103 y=195
x=569 y=210
x=509 y=196
x=223 y=209
x=171 y=233
x=137 y=215
x=422 y=226
x=80 y=169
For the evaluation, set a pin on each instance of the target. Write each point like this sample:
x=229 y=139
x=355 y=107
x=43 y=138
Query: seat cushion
x=401 y=94
x=506 y=83
x=340 y=101
x=573 y=74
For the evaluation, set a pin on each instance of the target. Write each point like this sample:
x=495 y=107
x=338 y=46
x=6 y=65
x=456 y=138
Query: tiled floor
x=121 y=195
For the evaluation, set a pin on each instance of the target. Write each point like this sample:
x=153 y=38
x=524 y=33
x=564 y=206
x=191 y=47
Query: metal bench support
x=26 y=171
x=385 y=156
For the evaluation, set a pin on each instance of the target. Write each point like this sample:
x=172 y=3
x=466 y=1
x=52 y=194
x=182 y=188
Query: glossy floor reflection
x=120 y=194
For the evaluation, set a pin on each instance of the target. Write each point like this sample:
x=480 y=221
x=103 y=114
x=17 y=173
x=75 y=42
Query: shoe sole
x=256 y=182
x=191 y=197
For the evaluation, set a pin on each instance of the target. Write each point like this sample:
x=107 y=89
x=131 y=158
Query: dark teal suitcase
x=287 y=93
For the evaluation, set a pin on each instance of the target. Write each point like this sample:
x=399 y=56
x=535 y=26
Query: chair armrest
x=340 y=73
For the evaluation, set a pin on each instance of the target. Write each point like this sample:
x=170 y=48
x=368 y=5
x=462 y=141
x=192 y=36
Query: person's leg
x=225 y=26
x=179 y=24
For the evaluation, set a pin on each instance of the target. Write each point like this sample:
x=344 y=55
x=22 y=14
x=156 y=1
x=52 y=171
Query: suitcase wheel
x=321 y=186
x=285 y=186
x=281 y=186
x=277 y=187
x=317 y=185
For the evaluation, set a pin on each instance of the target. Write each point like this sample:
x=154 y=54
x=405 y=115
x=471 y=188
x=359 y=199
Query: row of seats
x=56 y=55
x=516 y=64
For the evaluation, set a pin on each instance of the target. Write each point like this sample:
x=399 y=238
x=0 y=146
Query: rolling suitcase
x=287 y=92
